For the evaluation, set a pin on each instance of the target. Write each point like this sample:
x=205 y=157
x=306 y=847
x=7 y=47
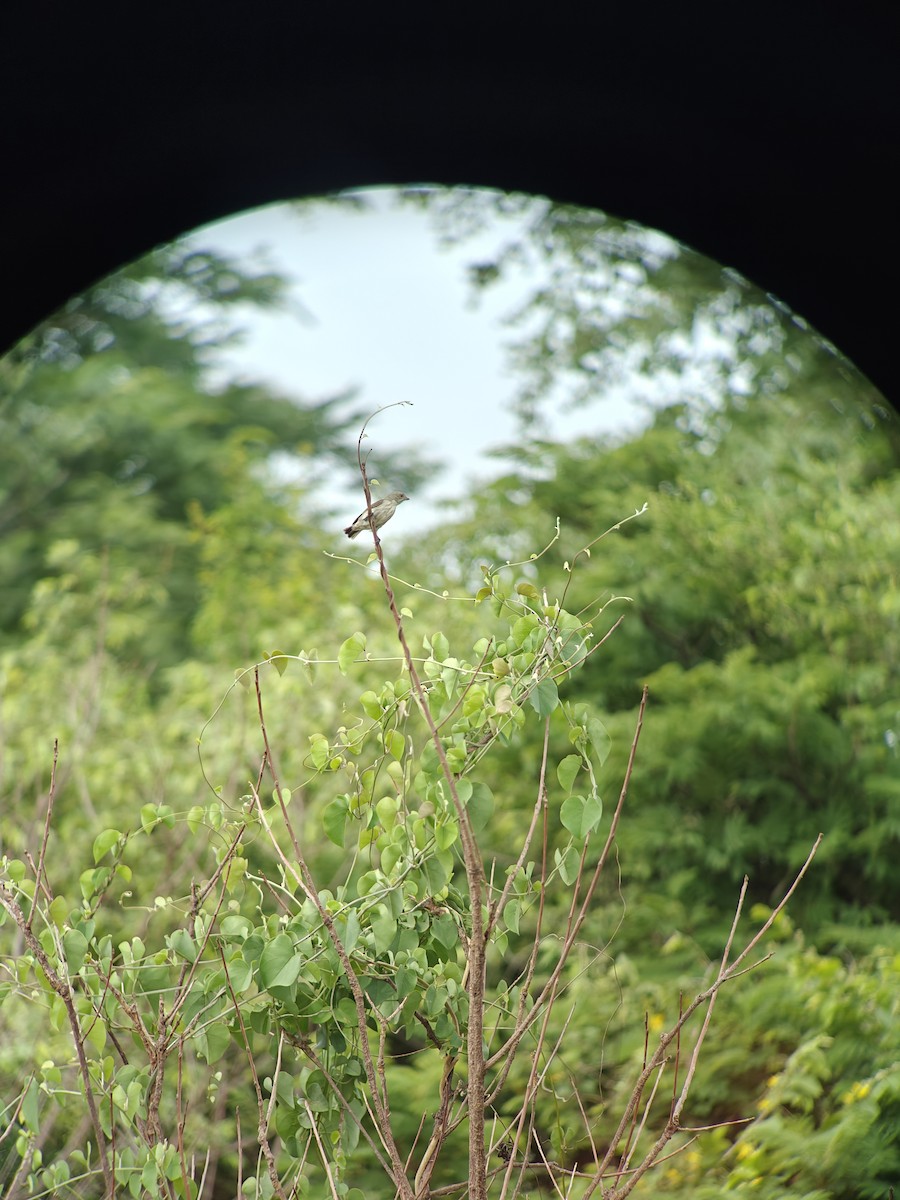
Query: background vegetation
x=150 y=548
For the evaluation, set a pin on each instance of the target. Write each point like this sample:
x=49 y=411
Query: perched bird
x=382 y=511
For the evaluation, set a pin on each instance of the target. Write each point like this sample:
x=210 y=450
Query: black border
x=765 y=137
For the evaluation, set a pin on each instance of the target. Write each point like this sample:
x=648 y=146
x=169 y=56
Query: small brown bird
x=382 y=511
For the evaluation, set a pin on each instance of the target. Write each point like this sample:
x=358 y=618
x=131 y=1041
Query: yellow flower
x=857 y=1091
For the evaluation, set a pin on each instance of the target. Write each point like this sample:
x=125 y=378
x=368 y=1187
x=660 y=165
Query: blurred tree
x=611 y=307
x=765 y=616
x=764 y=575
x=114 y=432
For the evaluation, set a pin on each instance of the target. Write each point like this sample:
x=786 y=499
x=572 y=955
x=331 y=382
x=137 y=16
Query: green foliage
x=823 y=1038
x=257 y=956
x=764 y=613
x=149 y=549
x=119 y=439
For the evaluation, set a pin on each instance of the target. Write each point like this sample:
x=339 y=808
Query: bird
x=382 y=511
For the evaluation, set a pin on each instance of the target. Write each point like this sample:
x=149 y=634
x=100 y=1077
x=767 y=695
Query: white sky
x=391 y=316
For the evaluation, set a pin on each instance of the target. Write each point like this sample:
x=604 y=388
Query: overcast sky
x=390 y=314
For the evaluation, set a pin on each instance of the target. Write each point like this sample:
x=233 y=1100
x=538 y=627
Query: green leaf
x=446 y=833
x=394 y=743
x=279 y=661
x=567 y=864
x=544 y=697
x=279 y=964
x=371 y=705
x=104 y=842
x=58 y=911
x=473 y=704
x=30 y=1109
x=600 y=739
x=75 y=947
x=581 y=814
x=96 y=1036
x=576 y=650
x=450 y=675
x=445 y=932
x=405 y=979
x=318 y=750
x=437 y=871
x=149 y=817
x=522 y=629
x=480 y=806
x=236 y=927
x=351 y=930
x=464 y=791
x=384 y=927
x=183 y=944
x=390 y=856
x=434 y=1000
x=213 y=1042
x=387 y=809
x=366 y=786
x=195 y=816
x=511 y=913
x=440 y=647
x=240 y=974
x=350 y=651
x=567 y=770
x=334 y=820
x=166 y=814
x=93 y=882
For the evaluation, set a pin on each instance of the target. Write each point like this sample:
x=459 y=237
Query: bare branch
x=724 y=975
x=475 y=880
x=63 y=989
x=523 y=1026
x=263 y=1116
x=40 y=882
